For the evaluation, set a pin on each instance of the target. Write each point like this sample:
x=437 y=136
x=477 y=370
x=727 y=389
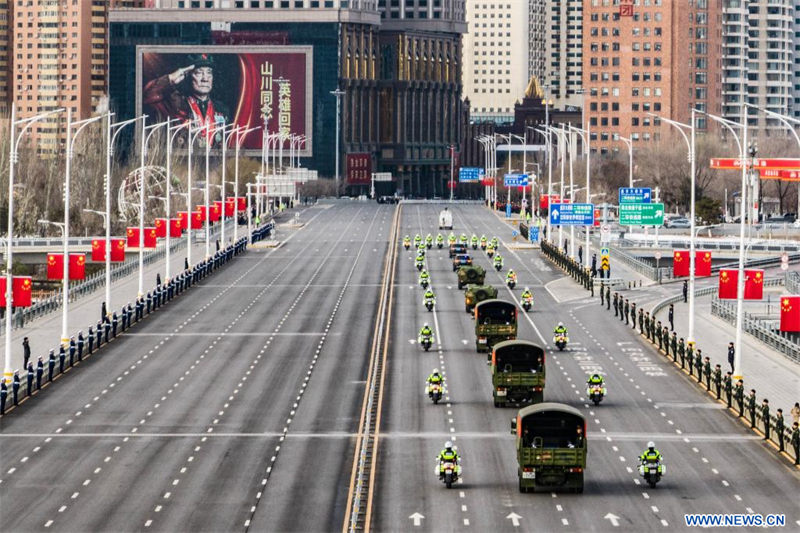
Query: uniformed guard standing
x=16 y=384
x=751 y=406
x=718 y=380
x=671 y=317
x=795 y=441
x=764 y=416
x=81 y=344
x=99 y=335
x=608 y=298
x=779 y=428
x=626 y=309
x=114 y=324
x=738 y=394
x=149 y=301
x=698 y=365
x=29 y=377
x=647 y=325
x=51 y=365
x=616 y=304
x=682 y=354
x=641 y=321
x=706 y=371
x=674 y=346
x=62 y=357
x=3 y=395
x=72 y=349
x=39 y=373
x=90 y=338
x=728 y=385
x=658 y=335
x=633 y=315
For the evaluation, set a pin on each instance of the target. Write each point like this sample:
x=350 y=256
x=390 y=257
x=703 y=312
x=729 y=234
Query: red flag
x=790 y=313
x=77 y=266
x=183 y=216
x=197 y=220
x=242 y=201
x=161 y=228
x=117 y=250
x=216 y=211
x=728 y=281
x=175 y=227
x=150 y=237
x=133 y=237
x=680 y=263
x=702 y=263
x=753 y=284
x=98 y=250
x=202 y=210
x=55 y=266
x=20 y=291
x=230 y=207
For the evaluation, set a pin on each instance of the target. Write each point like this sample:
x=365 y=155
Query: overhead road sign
x=470 y=174
x=635 y=195
x=521 y=147
x=515 y=180
x=783 y=175
x=572 y=214
x=382 y=176
x=758 y=164
x=641 y=214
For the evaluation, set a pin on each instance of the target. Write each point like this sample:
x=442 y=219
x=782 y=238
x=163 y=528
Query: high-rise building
x=5 y=58
x=758 y=62
x=659 y=58
x=58 y=60
x=537 y=39
x=497 y=56
x=564 y=54
x=796 y=61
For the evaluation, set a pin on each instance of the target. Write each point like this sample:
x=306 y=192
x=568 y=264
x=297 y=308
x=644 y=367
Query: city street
x=239 y=405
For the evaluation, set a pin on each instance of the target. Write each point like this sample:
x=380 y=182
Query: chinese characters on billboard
x=218 y=85
x=359 y=169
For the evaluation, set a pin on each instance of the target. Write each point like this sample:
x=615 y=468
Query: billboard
x=359 y=168
x=242 y=85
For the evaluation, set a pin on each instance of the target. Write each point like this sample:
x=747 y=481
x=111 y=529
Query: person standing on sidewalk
x=765 y=417
x=626 y=309
x=795 y=412
x=731 y=356
x=580 y=254
x=728 y=381
x=718 y=380
x=738 y=394
x=616 y=304
x=795 y=441
x=685 y=291
x=671 y=317
x=602 y=294
x=608 y=297
x=594 y=265
x=26 y=352
x=633 y=315
x=751 y=406
x=779 y=428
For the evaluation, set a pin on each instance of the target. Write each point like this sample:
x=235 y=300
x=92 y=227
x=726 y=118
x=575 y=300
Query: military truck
x=471 y=275
x=475 y=294
x=495 y=321
x=517 y=373
x=551 y=447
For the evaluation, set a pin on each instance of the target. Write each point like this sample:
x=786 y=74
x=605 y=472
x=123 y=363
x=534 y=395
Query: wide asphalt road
x=713 y=464
x=232 y=409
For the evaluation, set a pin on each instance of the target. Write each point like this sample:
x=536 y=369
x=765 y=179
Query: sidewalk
x=44 y=333
x=768 y=371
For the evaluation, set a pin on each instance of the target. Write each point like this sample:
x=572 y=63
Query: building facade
x=563 y=77
x=661 y=58
x=398 y=67
x=758 y=61
x=5 y=58
x=537 y=39
x=497 y=57
x=796 y=61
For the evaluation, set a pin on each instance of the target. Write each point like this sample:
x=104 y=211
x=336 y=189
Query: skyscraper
x=5 y=58
x=564 y=53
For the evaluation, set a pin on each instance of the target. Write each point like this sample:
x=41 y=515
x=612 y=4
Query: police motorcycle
x=560 y=338
x=424 y=281
x=527 y=300
x=448 y=471
x=435 y=391
x=596 y=391
x=439 y=241
x=426 y=341
x=474 y=242
x=651 y=469
x=407 y=243
x=498 y=263
x=483 y=242
x=511 y=279
x=419 y=262
x=421 y=250
x=490 y=251
x=430 y=303
x=429 y=242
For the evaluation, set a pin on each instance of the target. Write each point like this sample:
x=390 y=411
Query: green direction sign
x=641 y=214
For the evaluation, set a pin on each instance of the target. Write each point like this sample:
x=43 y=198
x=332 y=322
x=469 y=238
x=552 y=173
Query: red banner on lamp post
x=753 y=284
x=21 y=287
x=728 y=283
x=790 y=313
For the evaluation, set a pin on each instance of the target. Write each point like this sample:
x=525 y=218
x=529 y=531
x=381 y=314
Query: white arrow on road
x=417 y=518
x=613 y=518
x=514 y=517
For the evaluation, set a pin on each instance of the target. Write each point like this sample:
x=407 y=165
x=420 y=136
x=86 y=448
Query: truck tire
x=460 y=286
x=468 y=309
x=496 y=404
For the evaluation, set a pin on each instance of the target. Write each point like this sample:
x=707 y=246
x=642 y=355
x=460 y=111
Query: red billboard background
x=244 y=86
x=359 y=169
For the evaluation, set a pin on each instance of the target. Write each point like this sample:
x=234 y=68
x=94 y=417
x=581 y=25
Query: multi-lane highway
x=239 y=407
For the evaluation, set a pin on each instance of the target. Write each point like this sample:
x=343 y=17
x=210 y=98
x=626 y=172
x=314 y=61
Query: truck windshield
x=497 y=313
x=552 y=429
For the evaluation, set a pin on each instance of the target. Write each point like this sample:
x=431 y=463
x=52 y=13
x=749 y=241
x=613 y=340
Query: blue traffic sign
x=470 y=174
x=534 y=234
x=635 y=195
x=515 y=180
x=508 y=210
x=572 y=214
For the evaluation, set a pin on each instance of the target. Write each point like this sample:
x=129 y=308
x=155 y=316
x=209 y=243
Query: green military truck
x=495 y=321
x=475 y=294
x=471 y=275
x=551 y=447
x=518 y=373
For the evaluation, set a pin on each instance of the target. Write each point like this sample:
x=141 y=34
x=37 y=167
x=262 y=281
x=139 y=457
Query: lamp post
x=12 y=161
x=743 y=153
x=193 y=134
x=142 y=186
x=226 y=135
x=548 y=143
x=70 y=148
x=691 y=146
x=629 y=143
x=338 y=94
x=172 y=133
x=241 y=134
x=587 y=139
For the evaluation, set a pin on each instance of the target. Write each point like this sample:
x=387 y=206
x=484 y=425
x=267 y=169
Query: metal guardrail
x=776 y=246
x=56 y=244
x=764 y=262
x=94 y=282
x=760 y=329
x=792 y=282
x=442 y=201
x=637 y=265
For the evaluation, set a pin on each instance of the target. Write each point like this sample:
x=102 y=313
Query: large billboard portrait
x=221 y=85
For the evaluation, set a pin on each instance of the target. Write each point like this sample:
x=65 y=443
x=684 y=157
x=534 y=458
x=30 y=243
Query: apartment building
x=564 y=53
x=5 y=59
x=661 y=57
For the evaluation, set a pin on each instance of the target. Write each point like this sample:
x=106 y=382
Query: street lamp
x=70 y=148
x=172 y=133
x=560 y=135
x=142 y=186
x=743 y=153
x=338 y=94
x=65 y=282
x=587 y=139
x=629 y=142
x=241 y=134
x=548 y=142
x=192 y=136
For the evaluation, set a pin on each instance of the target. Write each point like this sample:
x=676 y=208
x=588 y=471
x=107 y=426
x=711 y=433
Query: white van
x=446 y=219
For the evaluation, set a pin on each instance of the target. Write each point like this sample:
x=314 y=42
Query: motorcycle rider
x=439 y=240
x=448 y=455
x=423 y=276
x=511 y=276
x=498 y=261
x=483 y=242
x=463 y=239
x=420 y=259
x=560 y=330
x=452 y=238
x=527 y=294
x=495 y=242
x=651 y=455
x=595 y=379
x=429 y=240
x=474 y=241
x=429 y=297
x=417 y=240
x=435 y=378
x=407 y=242
x=426 y=333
